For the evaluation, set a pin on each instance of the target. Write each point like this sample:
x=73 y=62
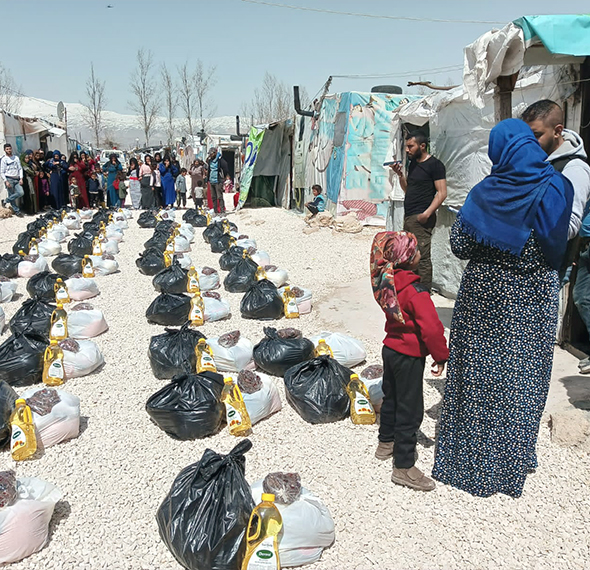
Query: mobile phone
x=390 y=162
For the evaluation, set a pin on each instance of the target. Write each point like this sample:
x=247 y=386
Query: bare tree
x=146 y=100
x=204 y=80
x=170 y=101
x=272 y=101
x=187 y=95
x=95 y=104
x=9 y=92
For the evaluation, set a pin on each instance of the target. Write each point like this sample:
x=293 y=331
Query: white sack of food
x=24 y=525
x=29 y=268
x=7 y=291
x=86 y=213
x=304 y=302
x=58 y=233
x=216 y=310
x=184 y=260
x=187 y=231
x=246 y=243
x=207 y=282
x=128 y=213
x=264 y=402
x=61 y=423
x=278 y=277
x=181 y=244
x=308 y=528
x=114 y=233
x=120 y=222
x=111 y=246
x=49 y=248
x=72 y=221
x=83 y=362
x=104 y=266
x=347 y=350
x=232 y=359
x=86 y=324
x=166 y=214
x=82 y=288
x=262 y=258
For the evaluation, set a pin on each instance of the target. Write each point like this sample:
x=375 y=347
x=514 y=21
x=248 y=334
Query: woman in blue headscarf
x=112 y=169
x=57 y=169
x=513 y=229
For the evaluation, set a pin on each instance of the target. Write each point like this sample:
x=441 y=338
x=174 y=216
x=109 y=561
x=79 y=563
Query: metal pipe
x=297 y=103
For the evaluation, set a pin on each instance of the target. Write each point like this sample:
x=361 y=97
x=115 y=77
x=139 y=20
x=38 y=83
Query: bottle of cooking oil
x=87 y=267
x=23 y=442
x=50 y=225
x=323 y=348
x=205 y=362
x=102 y=232
x=361 y=409
x=236 y=414
x=59 y=324
x=96 y=246
x=167 y=259
x=192 y=283
x=42 y=233
x=231 y=242
x=208 y=218
x=33 y=247
x=262 y=536
x=170 y=244
x=197 y=312
x=61 y=291
x=53 y=365
x=290 y=304
x=226 y=226
x=260 y=274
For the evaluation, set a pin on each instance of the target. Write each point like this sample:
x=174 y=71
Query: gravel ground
x=117 y=472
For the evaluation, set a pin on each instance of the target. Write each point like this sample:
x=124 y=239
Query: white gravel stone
x=116 y=473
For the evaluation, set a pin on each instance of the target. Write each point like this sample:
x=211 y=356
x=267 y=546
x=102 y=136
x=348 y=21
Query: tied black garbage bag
x=147 y=220
x=9 y=265
x=101 y=216
x=169 y=309
x=41 y=286
x=7 y=398
x=66 y=264
x=276 y=355
x=203 y=518
x=81 y=245
x=220 y=244
x=22 y=242
x=36 y=225
x=34 y=316
x=171 y=279
x=241 y=277
x=91 y=228
x=165 y=226
x=216 y=230
x=189 y=407
x=192 y=217
x=172 y=352
x=21 y=359
x=230 y=258
x=53 y=216
x=151 y=261
x=157 y=241
x=262 y=302
x=317 y=390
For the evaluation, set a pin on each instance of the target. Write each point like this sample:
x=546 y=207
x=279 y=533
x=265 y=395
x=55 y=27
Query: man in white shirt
x=11 y=173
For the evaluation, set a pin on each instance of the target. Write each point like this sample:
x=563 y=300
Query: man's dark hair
x=317 y=187
x=183 y=170
x=545 y=110
x=420 y=137
x=199 y=183
x=7 y=145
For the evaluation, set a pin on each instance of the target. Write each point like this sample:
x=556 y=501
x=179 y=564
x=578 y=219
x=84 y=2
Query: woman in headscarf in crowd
x=134 y=187
x=513 y=229
x=30 y=204
x=168 y=173
x=89 y=163
x=112 y=169
x=146 y=184
x=55 y=168
x=78 y=170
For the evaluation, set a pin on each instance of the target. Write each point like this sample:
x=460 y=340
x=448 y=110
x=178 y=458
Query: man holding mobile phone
x=425 y=188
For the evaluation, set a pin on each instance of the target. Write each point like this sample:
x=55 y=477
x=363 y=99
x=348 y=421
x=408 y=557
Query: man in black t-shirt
x=425 y=187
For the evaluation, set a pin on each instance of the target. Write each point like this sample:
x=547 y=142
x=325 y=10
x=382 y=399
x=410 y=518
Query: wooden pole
x=503 y=97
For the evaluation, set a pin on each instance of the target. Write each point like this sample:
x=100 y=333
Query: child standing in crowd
x=228 y=185
x=319 y=202
x=181 y=188
x=74 y=192
x=44 y=197
x=122 y=188
x=198 y=194
x=93 y=189
x=413 y=330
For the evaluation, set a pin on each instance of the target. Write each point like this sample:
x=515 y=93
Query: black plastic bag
x=157 y=241
x=171 y=279
x=21 y=359
x=81 y=245
x=22 y=242
x=262 y=302
x=172 y=352
x=9 y=265
x=151 y=261
x=101 y=216
x=7 y=399
x=189 y=407
x=91 y=228
x=241 y=277
x=220 y=244
x=34 y=316
x=53 y=216
x=230 y=258
x=66 y=264
x=204 y=517
x=213 y=231
x=165 y=226
x=147 y=220
x=276 y=355
x=195 y=219
x=41 y=286
x=36 y=225
x=317 y=390
x=169 y=309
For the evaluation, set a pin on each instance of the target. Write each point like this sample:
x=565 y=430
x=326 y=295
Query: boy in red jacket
x=413 y=330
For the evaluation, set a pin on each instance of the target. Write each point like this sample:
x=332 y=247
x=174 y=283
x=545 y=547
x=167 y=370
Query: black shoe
x=19 y=214
x=3 y=202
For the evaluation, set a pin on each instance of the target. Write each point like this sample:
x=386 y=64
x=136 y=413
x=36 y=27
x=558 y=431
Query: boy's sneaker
x=384 y=450
x=413 y=478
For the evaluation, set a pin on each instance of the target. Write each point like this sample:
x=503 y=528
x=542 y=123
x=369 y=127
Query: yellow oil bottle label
x=170 y=246
x=232 y=416
x=362 y=406
x=207 y=362
x=56 y=369
x=33 y=250
x=62 y=294
x=193 y=284
x=88 y=270
x=196 y=316
x=18 y=438
x=264 y=557
x=58 y=329
x=97 y=249
x=292 y=308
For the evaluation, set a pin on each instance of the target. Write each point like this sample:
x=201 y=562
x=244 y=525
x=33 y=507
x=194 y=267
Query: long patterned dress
x=501 y=344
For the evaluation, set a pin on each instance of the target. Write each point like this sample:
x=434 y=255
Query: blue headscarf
x=522 y=193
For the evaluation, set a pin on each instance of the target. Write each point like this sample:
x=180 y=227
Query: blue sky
x=48 y=45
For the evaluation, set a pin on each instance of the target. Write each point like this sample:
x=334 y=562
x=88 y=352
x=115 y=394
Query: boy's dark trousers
x=313 y=209
x=402 y=410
